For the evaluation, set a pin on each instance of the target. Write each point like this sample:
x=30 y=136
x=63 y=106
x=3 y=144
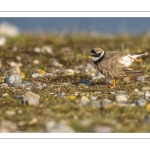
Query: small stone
x=147 y=95
x=40 y=85
x=145 y=89
x=5 y=95
x=18 y=58
x=142 y=78
x=93 y=97
x=84 y=100
x=53 y=127
x=141 y=102
x=10 y=112
x=8 y=126
x=33 y=121
x=114 y=93
x=121 y=97
x=26 y=84
x=4 y=85
x=14 y=64
x=46 y=50
x=13 y=80
x=56 y=64
x=95 y=104
x=86 y=82
x=61 y=95
x=31 y=98
x=106 y=103
x=69 y=72
x=36 y=62
x=35 y=75
x=37 y=50
x=20 y=111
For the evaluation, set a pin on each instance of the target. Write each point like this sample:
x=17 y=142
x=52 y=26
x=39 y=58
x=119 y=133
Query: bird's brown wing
x=110 y=66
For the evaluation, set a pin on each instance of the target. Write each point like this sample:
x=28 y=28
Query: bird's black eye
x=93 y=52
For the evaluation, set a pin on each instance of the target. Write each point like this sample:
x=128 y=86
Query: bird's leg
x=135 y=59
x=114 y=82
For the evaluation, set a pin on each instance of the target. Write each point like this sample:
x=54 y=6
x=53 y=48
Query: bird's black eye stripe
x=93 y=52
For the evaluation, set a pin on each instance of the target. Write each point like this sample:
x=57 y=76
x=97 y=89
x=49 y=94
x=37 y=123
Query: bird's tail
x=142 y=54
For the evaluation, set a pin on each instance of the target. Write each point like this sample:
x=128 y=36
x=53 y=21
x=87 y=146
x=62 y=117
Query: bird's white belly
x=126 y=60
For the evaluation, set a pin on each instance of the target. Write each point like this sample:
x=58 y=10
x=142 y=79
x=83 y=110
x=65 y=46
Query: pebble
x=31 y=98
x=142 y=78
x=5 y=95
x=20 y=111
x=86 y=82
x=93 y=97
x=61 y=95
x=4 y=85
x=69 y=72
x=26 y=84
x=37 y=50
x=14 y=64
x=13 y=80
x=121 y=97
x=46 y=50
x=147 y=95
x=40 y=85
x=84 y=100
x=56 y=64
x=138 y=92
x=36 y=62
x=141 y=102
x=95 y=104
x=10 y=112
x=145 y=89
x=106 y=103
x=33 y=121
x=54 y=127
x=18 y=58
x=112 y=92
x=90 y=70
x=35 y=75
x=7 y=126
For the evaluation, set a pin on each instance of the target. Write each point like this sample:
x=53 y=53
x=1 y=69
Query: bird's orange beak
x=90 y=56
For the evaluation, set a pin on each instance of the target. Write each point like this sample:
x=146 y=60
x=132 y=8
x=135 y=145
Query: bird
x=114 y=64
